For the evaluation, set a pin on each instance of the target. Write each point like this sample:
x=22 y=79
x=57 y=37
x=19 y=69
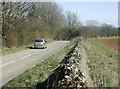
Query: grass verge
x=103 y=64
x=40 y=72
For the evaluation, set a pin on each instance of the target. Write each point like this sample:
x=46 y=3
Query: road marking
x=7 y=63
x=25 y=57
x=14 y=61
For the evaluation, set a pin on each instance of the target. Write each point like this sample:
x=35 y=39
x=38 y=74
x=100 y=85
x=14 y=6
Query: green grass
x=14 y=50
x=103 y=64
x=40 y=72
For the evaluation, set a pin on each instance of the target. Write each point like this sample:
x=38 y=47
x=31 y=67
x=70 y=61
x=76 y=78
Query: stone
x=79 y=86
x=73 y=76
x=84 y=80
x=67 y=76
x=69 y=68
x=83 y=74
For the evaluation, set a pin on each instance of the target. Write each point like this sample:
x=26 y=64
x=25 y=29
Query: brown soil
x=113 y=43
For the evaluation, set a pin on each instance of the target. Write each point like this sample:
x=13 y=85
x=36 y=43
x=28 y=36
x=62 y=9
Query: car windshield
x=39 y=40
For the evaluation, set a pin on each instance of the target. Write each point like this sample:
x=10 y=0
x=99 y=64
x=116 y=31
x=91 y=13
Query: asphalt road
x=16 y=63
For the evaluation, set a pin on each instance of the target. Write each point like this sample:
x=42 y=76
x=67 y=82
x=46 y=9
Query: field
x=103 y=62
x=113 y=43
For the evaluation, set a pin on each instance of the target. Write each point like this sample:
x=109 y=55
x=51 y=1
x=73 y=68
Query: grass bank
x=103 y=64
x=14 y=50
x=40 y=72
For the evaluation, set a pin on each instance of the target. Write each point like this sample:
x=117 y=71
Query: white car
x=40 y=43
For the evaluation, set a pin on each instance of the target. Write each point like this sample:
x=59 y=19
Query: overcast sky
x=104 y=12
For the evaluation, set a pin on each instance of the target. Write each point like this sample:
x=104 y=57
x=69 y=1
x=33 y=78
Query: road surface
x=16 y=63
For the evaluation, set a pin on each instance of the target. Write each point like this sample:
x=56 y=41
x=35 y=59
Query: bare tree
x=50 y=12
x=92 y=23
x=107 y=30
x=72 y=19
x=10 y=12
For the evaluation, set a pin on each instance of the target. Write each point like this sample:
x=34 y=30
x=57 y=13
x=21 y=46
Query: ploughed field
x=113 y=43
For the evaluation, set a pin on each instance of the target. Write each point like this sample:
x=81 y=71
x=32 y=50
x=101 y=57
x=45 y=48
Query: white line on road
x=7 y=63
x=14 y=61
x=25 y=57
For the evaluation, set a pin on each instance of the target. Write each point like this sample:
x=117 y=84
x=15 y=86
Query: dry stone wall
x=70 y=75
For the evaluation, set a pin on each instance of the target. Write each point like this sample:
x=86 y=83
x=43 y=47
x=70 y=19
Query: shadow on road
x=30 y=47
x=33 y=48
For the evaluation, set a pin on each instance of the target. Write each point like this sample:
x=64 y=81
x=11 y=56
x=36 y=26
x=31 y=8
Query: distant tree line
x=23 y=22
x=94 y=29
